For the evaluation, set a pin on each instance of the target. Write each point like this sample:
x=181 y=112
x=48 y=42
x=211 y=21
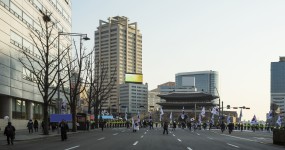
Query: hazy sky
x=237 y=38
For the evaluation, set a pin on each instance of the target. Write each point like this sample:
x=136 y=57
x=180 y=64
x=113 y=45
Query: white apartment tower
x=118 y=44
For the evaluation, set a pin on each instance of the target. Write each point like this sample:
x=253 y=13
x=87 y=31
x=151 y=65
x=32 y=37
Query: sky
x=237 y=38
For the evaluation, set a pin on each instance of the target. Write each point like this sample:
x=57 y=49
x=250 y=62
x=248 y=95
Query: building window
x=38 y=110
x=6 y=2
x=19 y=109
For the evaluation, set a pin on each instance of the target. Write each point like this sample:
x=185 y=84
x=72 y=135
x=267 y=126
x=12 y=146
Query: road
x=145 y=139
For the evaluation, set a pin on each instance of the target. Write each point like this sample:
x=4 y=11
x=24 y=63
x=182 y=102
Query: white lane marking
x=179 y=140
x=173 y=135
x=72 y=147
x=198 y=134
x=189 y=148
x=116 y=134
x=240 y=138
x=136 y=143
x=210 y=138
x=232 y=145
x=101 y=138
x=142 y=136
x=260 y=138
x=144 y=132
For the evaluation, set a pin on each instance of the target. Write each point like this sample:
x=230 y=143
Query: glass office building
x=206 y=81
x=278 y=83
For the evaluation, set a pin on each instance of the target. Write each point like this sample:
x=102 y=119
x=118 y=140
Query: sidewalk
x=24 y=134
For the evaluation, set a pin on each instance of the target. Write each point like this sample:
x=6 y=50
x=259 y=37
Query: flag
x=200 y=119
x=229 y=119
x=192 y=119
x=170 y=117
x=203 y=112
x=161 y=113
x=270 y=115
x=126 y=114
x=253 y=120
x=215 y=110
x=183 y=115
x=279 y=121
x=133 y=122
x=240 y=115
x=139 y=117
x=212 y=119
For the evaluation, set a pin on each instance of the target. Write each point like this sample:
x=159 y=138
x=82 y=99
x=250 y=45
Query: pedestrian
x=10 y=133
x=63 y=130
x=87 y=125
x=223 y=126
x=101 y=124
x=165 y=127
x=230 y=127
x=174 y=126
x=241 y=127
x=30 y=126
x=36 y=125
x=156 y=123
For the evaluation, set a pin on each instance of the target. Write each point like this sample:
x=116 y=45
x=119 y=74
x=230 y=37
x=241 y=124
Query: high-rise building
x=20 y=98
x=118 y=44
x=277 y=89
x=203 y=81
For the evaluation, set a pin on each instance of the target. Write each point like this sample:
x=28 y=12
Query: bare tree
x=44 y=65
x=102 y=80
x=77 y=74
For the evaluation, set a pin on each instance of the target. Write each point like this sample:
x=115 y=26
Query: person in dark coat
x=36 y=125
x=63 y=128
x=30 y=126
x=174 y=126
x=165 y=127
x=10 y=133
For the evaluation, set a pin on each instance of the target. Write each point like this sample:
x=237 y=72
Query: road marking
x=116 y=134
x=210 y=138
x=144 y=132
x=260 y=138
x=142 y=136
x=101 y=138
x=198 y=134
x=232 y=145
x=136 y=143
x=240 y=138
x=189 y=148
x=173 y=135
x=72 y=147
x=179 y=140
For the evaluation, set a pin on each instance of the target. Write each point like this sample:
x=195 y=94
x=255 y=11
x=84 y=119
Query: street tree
x=43 y=63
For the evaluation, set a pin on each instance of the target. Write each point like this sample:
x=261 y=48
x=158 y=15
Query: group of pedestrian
x=33 y=126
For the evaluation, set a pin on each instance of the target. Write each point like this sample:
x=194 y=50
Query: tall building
x=118 y=44
x=277 y=90
x=203 y=81
x=19 y=95
x=133 y=97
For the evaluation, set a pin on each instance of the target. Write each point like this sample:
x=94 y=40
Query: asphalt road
x=145 y=139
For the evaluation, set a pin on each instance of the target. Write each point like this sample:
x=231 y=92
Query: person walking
x=10 y=133
x=223 y=127
x=30 y=126
x=102 y=124
x=63 y=130
x=174 y=126
x=36 y=125
x=165 y=127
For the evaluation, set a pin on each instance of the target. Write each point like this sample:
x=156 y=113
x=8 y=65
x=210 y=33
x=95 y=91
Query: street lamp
x=82 y=37
x=219 y=102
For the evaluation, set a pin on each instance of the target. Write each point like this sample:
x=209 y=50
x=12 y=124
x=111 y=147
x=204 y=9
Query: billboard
x=133 y=78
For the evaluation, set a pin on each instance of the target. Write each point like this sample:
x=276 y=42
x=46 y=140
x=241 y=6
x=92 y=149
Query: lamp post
x=219 y=102
x=82 y=37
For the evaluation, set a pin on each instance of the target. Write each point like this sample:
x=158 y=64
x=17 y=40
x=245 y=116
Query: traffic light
x=228 y=106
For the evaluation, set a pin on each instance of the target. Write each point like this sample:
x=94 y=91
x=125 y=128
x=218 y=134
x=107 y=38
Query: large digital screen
x=133 y=78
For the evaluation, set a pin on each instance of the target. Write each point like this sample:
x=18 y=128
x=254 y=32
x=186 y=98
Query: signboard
x=133 y=78
x=60 y=117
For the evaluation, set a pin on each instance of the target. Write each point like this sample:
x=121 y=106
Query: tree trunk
x=45 y=120
x=74 y=119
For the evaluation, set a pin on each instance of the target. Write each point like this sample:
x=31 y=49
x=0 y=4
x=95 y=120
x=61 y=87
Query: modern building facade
x=277 y=90
x=118 y=46
x=203 y=81
x=133 y=98
x=19 y=95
